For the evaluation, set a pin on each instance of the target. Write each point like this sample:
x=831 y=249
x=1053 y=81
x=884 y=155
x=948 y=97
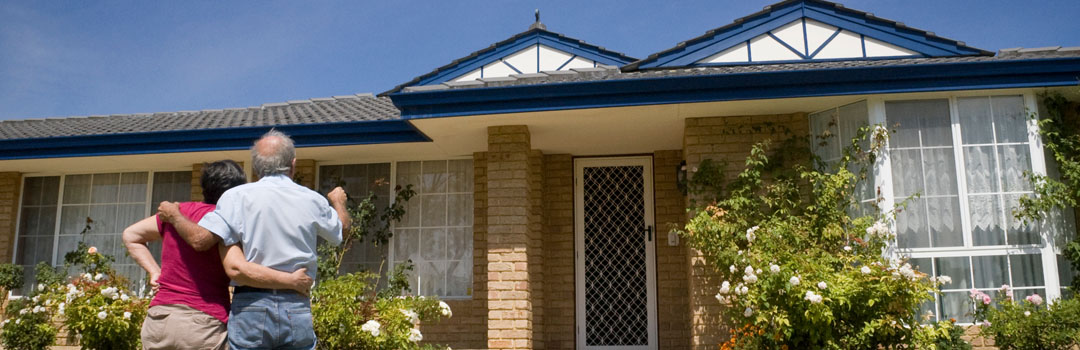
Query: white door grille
x=616 y=264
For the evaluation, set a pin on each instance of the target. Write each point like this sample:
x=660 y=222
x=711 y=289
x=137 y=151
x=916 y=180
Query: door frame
x=579 y=246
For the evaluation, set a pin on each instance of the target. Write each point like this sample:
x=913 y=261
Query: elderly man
x=276 y=222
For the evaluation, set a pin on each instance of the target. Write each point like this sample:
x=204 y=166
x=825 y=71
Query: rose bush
x=798 y=270
x=1031 y=323
x=98 y=307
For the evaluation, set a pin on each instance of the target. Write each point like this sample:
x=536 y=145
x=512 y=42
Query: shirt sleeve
x=225 y=221
x=329 y=224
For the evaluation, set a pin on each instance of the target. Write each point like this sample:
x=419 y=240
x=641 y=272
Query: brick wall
x=671 y=267
x=467 y=329
x=196 y=185
x=727 y=139
x=10 y=183
x=559 y=252
x=304 y=173
x=509 y=212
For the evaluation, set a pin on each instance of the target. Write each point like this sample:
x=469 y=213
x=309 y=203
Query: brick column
x=305 y=173
x=10 y=182
x=671 y=264
x=509 y=238
x=558 y=235
x=196 y=183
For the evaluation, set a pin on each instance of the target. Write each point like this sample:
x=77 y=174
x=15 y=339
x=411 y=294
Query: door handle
x=648 y=229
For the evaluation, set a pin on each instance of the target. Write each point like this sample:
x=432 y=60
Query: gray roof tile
x=352 y=108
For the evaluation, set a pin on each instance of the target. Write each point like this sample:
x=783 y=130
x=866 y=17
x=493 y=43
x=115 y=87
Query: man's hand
x=301 y=282
x=168 y=211
x=337 y=197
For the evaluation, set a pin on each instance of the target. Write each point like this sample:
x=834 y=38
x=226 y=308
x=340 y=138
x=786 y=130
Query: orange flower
x=92 y=250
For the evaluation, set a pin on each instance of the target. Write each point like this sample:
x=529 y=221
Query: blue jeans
x=269 y=320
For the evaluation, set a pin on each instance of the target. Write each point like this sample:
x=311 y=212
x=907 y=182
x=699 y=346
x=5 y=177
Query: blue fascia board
x=224 y=139
x=742 y=86
x=910 y=39
x=538 y=37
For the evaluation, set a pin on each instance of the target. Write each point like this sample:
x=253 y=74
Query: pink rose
x=1035 y=299
x=986 y=299
x=92 y=250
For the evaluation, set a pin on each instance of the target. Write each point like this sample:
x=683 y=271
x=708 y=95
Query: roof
x=611 y=87
x=613 y=73
x=341 y=120
x=350 y=108
x=537 y=33
x=690 y=51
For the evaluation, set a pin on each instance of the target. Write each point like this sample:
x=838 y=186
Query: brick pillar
x=509 y=237
x=305 y=173
x=558 y=235
x=10 y=182
x=671 y=264
x=196 y=184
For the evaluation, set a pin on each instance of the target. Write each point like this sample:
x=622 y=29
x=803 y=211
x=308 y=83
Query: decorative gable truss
x=807 y=39
x=800 y=30
x=534 y=59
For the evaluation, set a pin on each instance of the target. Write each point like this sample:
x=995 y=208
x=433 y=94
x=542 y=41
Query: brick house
x=547 y=168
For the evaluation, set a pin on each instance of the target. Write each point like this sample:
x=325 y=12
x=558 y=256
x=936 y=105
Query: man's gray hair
x=276 y=161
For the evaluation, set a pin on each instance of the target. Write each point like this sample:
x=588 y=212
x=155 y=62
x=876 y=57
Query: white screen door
x=615 y=255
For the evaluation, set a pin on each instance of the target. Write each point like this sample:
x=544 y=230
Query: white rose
x=41 y=287
x=124 y=297
x=794 y=280
x=774 y=268
x=865 y=270
x=749 y=270
x=102 y=315
x=748 y=312
x=98 y=276
x=732 y=268
x=744 y=290
x=847 y=248
x=127 y=315
x=751 y=279
x=444 y=309
x=415 y=336
x=822 y=285
x=725 y=288
x=945 y=279
x=371 y=327
x=1027 y=313
x=411 y=315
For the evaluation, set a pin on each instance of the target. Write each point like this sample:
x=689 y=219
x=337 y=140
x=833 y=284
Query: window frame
x=60 y=204
x=393 y=184
x=884 y=175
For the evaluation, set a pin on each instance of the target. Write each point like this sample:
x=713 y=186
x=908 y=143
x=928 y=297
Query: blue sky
x=74 y=58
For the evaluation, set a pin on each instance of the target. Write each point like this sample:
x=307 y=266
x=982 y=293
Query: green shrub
x=100 y=310
x=1029 y=323
x=28 y=322
x=797 y=270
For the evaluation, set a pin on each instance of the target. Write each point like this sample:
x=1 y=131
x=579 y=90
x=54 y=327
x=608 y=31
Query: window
x=832 y=130
x=103 y=203
x=359 y=180
x=436 y=231
x=964 y=158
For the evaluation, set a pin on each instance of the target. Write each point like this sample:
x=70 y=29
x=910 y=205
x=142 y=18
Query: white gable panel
x=524 y=60
x=877 y=48
x=579 y=62
x=551 y=59
x=844 y=45
x=792 y=34
x=817 y=33
x=765 y=48
x=737 y=53
x=475 y=74
x=497 y=69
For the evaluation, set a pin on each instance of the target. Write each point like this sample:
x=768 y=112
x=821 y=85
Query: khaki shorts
x=176 y=326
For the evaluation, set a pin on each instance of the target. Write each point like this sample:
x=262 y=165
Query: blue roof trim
x=694 y=50
x=514 y=44
x=225 y=139
x=742 y=86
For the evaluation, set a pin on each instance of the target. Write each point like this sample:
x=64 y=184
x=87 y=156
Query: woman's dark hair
x=218 y=177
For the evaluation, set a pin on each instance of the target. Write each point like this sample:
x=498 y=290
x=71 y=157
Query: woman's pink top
x=189 y=277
